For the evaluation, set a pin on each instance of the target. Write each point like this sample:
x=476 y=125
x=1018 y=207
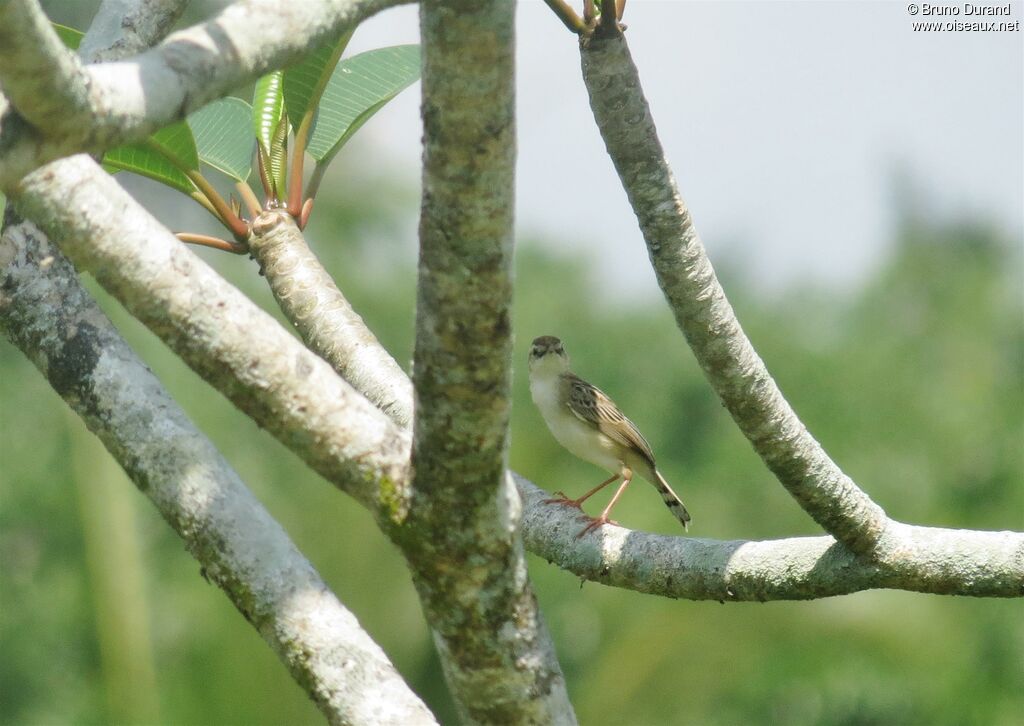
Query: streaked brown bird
x=583 y=419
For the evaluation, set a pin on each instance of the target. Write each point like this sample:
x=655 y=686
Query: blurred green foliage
x=914 y=383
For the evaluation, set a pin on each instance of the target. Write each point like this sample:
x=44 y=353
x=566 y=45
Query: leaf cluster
x=319 y=104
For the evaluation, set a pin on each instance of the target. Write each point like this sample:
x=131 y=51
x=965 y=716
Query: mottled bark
x=324 y=318
x=128 y=100
x=461 y=540
x=125 y=27
x=241 y=548
x=702 y=311
x=43 y=80
x=919 y=559
x=46 y=312
x=224 y=336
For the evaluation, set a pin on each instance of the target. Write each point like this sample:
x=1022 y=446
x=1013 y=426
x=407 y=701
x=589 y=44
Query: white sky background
x=785 y=124
x=783 y=121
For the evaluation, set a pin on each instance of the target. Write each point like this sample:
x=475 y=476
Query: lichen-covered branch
x=128 y=100
x=323 y=317
x=43 y=81
x=122 y=28
x=912 y=558
x=46 y=312
x=461 y=538
x=919 y=559
x=238 y=348
x=702 y=311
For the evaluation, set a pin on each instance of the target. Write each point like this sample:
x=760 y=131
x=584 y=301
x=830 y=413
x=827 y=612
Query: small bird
x=583 y=419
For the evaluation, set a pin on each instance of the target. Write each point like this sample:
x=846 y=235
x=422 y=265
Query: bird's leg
x=627 y=477
x=560 y=497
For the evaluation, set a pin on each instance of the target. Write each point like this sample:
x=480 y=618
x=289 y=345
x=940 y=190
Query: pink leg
x=578 y=503
x=603 y=518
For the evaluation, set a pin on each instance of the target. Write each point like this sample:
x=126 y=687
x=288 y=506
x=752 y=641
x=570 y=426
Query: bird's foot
x=594 y=523
x=561 y=498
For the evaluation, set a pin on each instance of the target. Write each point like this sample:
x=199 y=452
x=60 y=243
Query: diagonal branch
x=323 y=317
x=129 y=100
x=226 y=338
x=702 y=311
x=122 y=28
x=44 y=309
x=933 y=560
x=922 y=559
x=46 y=312
x=43 y=80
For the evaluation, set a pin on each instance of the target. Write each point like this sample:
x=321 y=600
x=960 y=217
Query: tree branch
x=462 y=541
x=919 y=559
x=129 y=100
x=942 y=561
x=44 y=309
x=323 y=317
x=46 y=312
x=122 y=28
x=703 y=313
x=911 y=551
x=43 y=80
x=227 y=339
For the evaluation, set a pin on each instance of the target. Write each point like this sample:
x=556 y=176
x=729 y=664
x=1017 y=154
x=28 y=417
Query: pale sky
x=784 y=123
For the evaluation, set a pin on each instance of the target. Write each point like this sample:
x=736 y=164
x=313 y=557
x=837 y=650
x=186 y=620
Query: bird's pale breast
x=581 y=439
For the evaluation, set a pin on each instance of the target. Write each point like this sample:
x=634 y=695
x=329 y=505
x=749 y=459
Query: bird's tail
x=672 y=500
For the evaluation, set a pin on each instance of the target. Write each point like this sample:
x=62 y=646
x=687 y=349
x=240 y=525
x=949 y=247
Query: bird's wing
x=592 y=406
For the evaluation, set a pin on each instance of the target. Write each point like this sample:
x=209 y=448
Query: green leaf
x=279 y=157
x=267 y=118
x=146 y=162
x=358 y=88
x=177 y=144
x=68 y=36
x=304 y=83
x=162 y=157
x=223 y=136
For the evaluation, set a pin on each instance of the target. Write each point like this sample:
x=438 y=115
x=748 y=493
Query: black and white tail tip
x=673 y=502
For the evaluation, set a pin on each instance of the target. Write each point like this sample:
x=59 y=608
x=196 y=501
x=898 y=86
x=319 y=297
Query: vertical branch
x=462 y=533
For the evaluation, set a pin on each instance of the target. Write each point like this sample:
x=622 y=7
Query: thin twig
x=239 y=45
x=295 y=206
x=224 y=212
x=252 y=203
x=567 y=15
x=215 y=242
x=589 y=13
x=199 y=198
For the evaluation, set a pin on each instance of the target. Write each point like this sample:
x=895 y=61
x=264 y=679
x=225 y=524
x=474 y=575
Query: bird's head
x=548 y=356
